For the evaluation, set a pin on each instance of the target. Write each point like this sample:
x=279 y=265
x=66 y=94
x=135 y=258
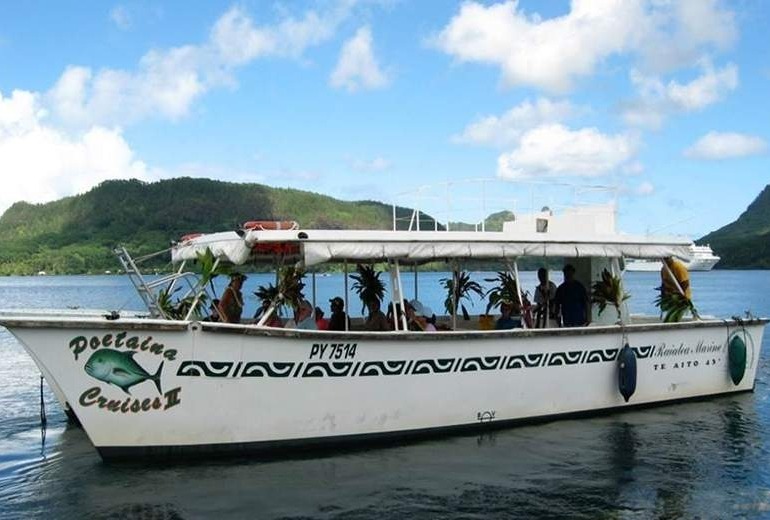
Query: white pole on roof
x=312 y=276
x=518 y=291
x=347 y=308
x=401 y=293
x=454 y=293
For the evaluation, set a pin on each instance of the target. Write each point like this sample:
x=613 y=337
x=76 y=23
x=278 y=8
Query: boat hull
x=224 y=388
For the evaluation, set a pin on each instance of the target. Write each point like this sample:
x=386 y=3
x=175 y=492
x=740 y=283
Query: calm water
x=708 y=459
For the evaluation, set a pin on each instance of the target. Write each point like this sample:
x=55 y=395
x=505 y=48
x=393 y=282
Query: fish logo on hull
x=120 y=369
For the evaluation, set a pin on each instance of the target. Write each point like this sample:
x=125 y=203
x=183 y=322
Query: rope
x=43 y=418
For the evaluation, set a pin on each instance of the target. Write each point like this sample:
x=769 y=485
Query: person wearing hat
x=338 y=318
x=376 y=321
x=303 y=318
x=231 y=303
x=420 y=316
x=572 y=300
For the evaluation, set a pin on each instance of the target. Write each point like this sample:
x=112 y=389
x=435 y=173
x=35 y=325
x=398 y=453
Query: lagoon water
x=708 y=459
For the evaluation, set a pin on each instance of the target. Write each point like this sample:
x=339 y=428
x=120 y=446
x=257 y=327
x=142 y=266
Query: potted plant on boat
x=674 y=305
x=608 y=291
x=463 y=290
x=367 y=285
x=287 y=293
x=179 y=309
x=507 y=291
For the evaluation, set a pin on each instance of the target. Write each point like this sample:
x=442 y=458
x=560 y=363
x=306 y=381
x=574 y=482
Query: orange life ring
x=189 y=236
x=270 y=225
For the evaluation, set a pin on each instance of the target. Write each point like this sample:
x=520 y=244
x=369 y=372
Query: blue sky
x=362 y=99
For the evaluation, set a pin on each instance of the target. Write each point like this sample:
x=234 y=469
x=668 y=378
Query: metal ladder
x=144 y=289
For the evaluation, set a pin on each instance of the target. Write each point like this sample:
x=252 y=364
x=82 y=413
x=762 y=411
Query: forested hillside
x=76 y=234
x=745 y=243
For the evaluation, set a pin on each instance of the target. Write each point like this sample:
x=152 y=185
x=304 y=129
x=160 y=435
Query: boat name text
x=702 y=347
x=79 y=344
x=333 y=351
x=93 y=397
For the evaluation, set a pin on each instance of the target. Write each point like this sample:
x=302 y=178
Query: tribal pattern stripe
x=301 y=369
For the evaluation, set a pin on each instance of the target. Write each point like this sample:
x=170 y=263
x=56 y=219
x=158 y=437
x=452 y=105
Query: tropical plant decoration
x=465 y=290
x=367 y=284
x=209 y=268
x=267 y=294
x=178 y=309
x=608 y=291
x=506 y=291
x=674 y=306
x=288 y=292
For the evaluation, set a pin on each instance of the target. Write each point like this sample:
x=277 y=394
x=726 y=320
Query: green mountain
x=745 y=243
x=76 y=234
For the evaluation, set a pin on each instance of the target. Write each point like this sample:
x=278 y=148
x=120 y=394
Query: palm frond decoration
x=177 y=310
x=267 y=294
x=674 y=306
x=608 y=291
x=367 y=284
x=506 y=291
x=465 y=290
x=209 y=268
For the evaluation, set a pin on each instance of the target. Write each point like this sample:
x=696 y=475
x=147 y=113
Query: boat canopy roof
x=321 y=246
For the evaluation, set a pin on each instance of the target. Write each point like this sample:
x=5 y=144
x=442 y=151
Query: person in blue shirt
x=572 y=300
x=506 y=321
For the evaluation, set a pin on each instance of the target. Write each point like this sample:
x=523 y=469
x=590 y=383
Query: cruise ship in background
x=703 y=259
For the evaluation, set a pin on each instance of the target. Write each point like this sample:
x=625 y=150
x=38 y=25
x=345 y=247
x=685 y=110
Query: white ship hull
x=227 y=388
x=702 y=259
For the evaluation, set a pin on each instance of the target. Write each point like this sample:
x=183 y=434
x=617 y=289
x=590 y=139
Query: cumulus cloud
x=166 y=82
x=727 y=145
x=357 y=67
x=658 y=100
x=552 y=53
x=46 y=163
x=554 y=150
x=508 y=128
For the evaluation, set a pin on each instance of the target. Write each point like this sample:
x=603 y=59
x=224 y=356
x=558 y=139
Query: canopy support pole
x=347 y=307
x=518 y=291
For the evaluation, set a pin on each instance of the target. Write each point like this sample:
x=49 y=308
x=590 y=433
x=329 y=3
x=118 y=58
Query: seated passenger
x=303 y=317
x=420 y=317
x=572 y=300
x=376 y=321
x=339 y=318
x=506 y=320
x=321 y=322
x=213 y=311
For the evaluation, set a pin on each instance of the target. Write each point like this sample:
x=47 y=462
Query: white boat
x=159 y=387
x=702 y=259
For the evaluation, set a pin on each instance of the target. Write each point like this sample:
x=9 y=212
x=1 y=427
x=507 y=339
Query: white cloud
x=552 y=53
x=121 y=17
x=357 y=68
x=506 y=129
x=728 y=145
x=378 y=164
x=166 y=82
x=46 y=164
x=554 y=150
x=645 y=188
x=658 y=100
